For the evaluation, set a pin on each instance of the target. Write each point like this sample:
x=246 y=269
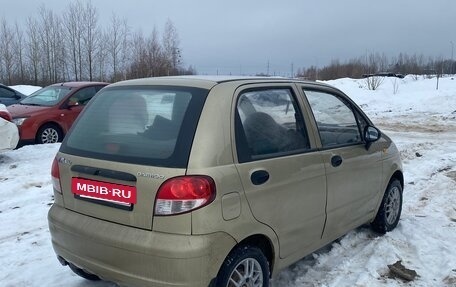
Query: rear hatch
x=126 y=143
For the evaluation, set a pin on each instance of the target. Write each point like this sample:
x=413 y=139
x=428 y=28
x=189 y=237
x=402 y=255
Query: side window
x=269 y=124
x=335 y=119
x=4 y=93
x=83 y=96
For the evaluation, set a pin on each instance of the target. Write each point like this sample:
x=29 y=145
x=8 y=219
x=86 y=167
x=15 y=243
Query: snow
x=25 y=89
x=420 y=119
x=8 y=132
x=9 y=135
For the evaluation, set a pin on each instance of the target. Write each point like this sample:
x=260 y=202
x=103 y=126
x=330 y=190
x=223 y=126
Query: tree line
x=74 y=46
x=376 y=63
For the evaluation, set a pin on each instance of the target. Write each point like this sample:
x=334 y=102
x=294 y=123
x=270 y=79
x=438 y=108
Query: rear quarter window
x=145 y=125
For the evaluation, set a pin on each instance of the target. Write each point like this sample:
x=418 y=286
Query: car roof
x=207 y=82
x=11 y=89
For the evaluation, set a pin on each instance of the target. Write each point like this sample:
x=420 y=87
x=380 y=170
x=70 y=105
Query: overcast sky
x=244 y=36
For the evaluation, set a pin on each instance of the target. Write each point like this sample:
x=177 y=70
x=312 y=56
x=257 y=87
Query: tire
x=235 y=265
x=83 y=274
x=390 y=209
x=49 y=133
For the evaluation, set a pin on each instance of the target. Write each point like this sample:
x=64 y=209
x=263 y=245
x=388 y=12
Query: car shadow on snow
x=306 y=271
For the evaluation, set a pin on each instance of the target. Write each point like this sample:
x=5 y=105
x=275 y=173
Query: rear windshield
x=151 y=125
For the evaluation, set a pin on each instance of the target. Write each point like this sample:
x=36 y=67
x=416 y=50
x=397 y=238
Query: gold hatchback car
x=216 y=181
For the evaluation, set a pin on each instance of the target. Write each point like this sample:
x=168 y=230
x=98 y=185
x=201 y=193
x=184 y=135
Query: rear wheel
x=49 y=133
x=83 y=274
x=390 y=209
x=245 y=266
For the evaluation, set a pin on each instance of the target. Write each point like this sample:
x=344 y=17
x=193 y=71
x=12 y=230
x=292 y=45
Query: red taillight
x=55 y=174
x=184 y=194
x=6 y=116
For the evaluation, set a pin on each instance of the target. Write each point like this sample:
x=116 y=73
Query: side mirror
x=72 y=103
x=371 y=134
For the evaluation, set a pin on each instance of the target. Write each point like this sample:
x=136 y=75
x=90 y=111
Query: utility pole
x=292 y=70
x=452 y=60
x=452 y=49
x=268 y=69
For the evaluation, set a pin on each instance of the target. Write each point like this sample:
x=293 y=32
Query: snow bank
x=26 y=89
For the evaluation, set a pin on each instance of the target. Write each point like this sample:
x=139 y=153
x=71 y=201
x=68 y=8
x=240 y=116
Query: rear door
x=353 y=172
x=282 y=173
x=74 y=104
x=128 y=141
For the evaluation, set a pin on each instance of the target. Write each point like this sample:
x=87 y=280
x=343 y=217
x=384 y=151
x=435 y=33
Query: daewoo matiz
x=216 y=181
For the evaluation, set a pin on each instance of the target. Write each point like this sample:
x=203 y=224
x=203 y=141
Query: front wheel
x=390 y=209
x=49 y=133
x=245 y=266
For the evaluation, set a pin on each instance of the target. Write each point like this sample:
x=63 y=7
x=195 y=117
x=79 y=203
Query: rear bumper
x=136 y=257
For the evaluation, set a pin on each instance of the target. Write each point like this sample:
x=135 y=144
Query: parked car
x=46 y=115
x=8 y=131
x=384 y=74
x=10 y=96
x=220 y=181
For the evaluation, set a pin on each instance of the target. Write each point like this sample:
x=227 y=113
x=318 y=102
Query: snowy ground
x=421 y=121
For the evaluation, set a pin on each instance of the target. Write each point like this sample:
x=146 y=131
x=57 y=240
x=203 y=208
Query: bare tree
x=6 y=50
x=439 y=65
x=33 y=51
x=73 y=24
x=101 y=58
x=138 y=67
x=19 y=45
x=157 y=61
x=171 y=47
x=395 y=84
x=90 y=35
x=51 y=48
x=373 y=64
x=373 y=82
x=51 y=37
x=117 y=46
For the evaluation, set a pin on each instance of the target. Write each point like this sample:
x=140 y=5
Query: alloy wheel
x=49 y=135
x=247 y=273
x=393 y=204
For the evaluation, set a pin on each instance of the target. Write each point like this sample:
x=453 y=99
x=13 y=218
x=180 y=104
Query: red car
x=46 y=115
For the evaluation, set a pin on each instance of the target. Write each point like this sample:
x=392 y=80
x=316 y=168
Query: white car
x=8 y=131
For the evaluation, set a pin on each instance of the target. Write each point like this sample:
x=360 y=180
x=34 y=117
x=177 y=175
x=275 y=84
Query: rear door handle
x=336 y=160
x=259 y=177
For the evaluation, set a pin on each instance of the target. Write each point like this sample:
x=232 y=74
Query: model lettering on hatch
x=150 y=175
x=104 y=190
